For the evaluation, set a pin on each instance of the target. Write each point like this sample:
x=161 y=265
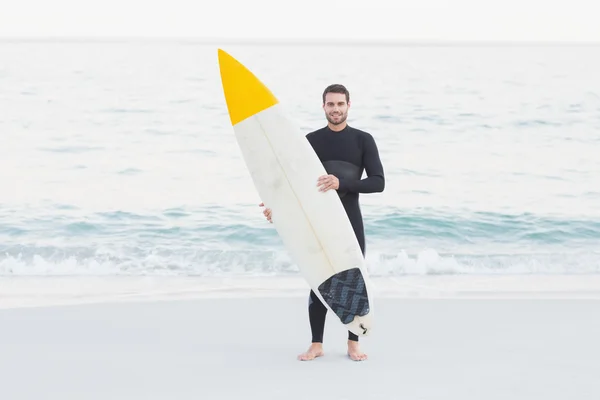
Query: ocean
x=118 y=157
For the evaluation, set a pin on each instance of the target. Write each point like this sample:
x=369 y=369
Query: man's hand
x=327 y=182
x=266 y=212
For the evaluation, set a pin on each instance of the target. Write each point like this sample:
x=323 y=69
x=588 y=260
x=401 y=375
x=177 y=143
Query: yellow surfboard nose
x=245 y=94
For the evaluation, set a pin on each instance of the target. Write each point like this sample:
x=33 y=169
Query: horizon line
x=295 y=41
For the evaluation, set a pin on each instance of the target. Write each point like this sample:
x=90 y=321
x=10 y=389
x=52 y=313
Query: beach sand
x=437 y=337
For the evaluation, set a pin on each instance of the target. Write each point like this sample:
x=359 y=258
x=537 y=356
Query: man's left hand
x=327 y=182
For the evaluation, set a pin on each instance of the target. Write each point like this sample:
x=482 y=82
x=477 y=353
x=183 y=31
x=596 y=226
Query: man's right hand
x=266 y=212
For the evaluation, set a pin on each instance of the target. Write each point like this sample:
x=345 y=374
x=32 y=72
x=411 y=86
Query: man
x=345 y=153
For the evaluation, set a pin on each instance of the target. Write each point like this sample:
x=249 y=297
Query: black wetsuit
x=346 y=154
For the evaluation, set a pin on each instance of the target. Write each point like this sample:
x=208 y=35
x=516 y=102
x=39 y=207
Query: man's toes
x=358 y=357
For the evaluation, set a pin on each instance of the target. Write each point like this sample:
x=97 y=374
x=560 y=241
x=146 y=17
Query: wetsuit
x=346 y=154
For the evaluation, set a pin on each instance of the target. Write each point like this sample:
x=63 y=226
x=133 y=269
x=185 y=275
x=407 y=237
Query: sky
x=418 y=20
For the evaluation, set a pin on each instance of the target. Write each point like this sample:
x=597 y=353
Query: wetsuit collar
x=343 y=130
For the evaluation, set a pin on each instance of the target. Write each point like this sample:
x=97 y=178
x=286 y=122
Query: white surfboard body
x=313 y=225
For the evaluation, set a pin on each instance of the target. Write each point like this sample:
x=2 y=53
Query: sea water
x=118 y=157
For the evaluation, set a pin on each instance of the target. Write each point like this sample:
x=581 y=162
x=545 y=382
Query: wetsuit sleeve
x=375 y=180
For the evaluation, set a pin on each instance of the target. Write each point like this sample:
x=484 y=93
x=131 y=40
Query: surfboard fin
x=362 y=326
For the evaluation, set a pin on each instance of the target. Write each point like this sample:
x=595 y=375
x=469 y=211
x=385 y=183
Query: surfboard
x=284 y=168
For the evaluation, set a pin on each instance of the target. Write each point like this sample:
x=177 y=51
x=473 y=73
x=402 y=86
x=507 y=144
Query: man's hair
x=336 y=88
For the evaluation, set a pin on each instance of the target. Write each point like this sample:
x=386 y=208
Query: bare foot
x=315 y=350
x=354 y=351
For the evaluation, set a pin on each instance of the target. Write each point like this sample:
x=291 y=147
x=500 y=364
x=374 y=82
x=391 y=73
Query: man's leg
x=354 y=351
x=316 y=316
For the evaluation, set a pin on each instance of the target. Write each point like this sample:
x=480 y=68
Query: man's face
x=336 y=108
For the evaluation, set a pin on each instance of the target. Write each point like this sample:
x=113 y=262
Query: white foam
x=179 y=260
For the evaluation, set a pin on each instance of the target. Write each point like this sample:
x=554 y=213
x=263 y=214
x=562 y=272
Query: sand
x=520 y=337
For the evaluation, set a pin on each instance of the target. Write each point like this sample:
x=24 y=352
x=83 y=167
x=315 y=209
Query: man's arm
x=375 y=180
